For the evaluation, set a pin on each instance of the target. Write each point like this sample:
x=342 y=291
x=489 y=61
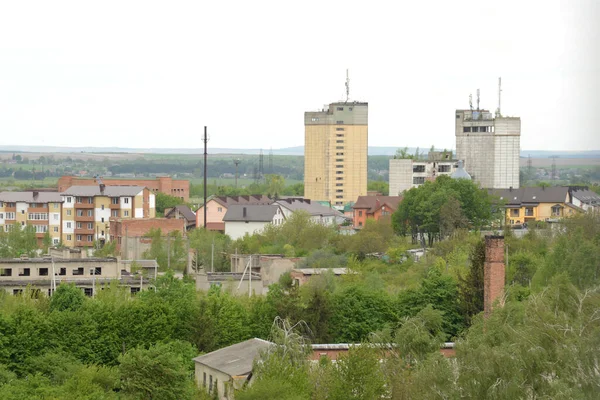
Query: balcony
x=84 y=231
x=115 y=206
x=84 y=218
x=37 y=210
x=84 y=205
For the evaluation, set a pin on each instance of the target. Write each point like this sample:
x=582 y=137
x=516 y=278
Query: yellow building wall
x=321 y=155
x=68 y=215
x=540 y=213
x=100 y=226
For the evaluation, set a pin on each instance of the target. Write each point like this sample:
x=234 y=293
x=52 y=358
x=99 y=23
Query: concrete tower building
x=490 y=147
x=335 y=153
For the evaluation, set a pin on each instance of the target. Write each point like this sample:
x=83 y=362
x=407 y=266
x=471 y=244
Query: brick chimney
x=493 y=272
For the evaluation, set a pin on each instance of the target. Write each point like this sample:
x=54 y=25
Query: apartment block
x=39 y=209
x=87 y=211
x=406 y=174
x=335 y=153
x=163 y=184
x=490 y=147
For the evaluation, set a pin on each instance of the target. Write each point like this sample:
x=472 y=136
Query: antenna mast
x=347 y=86
x=477 y=99
x=471 y=101
x=498 y=114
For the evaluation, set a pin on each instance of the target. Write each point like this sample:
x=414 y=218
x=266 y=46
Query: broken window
x=43 y=272
x=418 y=168
x=24 y=272
x=444 y=168
x=6 y=272
x=77 y=271
x=418 y=180
x=466 y=129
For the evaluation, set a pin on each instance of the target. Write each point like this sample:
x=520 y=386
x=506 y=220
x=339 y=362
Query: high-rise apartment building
x=87 y=211
x=42 y=210
x=490 y=147
x=335 y=153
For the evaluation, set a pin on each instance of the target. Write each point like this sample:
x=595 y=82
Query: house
x=228 y=368
x=216 y=208
x=251 y=218
x=585 y=198
x=374 y=207
x=182 y=212
x=318 y=212
x=530 y=204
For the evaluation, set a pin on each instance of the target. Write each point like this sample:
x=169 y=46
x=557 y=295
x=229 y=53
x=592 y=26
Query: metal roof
x=31 y=197
x=532 y=195
x=235 y=360
x=109 y=191
x=313 y=208
x=254 y=212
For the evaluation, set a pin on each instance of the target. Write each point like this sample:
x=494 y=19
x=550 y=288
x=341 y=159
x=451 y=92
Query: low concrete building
x=232 y=282
x=301 y=275
x=224 y=370
x=130 y=234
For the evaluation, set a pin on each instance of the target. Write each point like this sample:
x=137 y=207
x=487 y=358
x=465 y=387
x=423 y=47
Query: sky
x=150 y=74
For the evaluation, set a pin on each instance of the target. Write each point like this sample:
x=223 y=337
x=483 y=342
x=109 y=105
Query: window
x=55 y=240
x=359 y=223
x=77 y=271
x=43 y=272
x=102 y=207
x=466 y=129
x=339 y=190
x=339 y=147
x=339 y=178
x=418 y=168
x=55 y=205
x=556 y=211
x=360 y=213
x=69 y=237
x=339 y=129
x=339 y=166
x=24 y=272
x=69 y=212
x=55 y=217
x=385 y=213
x=10 y=215
x=78 y=238
x=339 y=184
x=339 y=160
x=418 y=180
x=529 y=212
x=6 y=272
x=210 y=383
x=69 y=199
x=126 y=200
x=90 y=200
x=340 y=108
x=339 y=154
x=339 y=197
x=90 y=213
x=90 y=238
x=219 y=209
x=314 y=119
x=339 y=141
x=444 y=168
x=102 y=219
x=126 y=213
x=114 y=213
x=69 y=225
x=204 y=380
x=55 y=229
x=90 y=225
x=339 y=172
x=78 y=225
x=1 y=215
x=80 y=213
x=339 y=122
x=17 y=292
x=41 y=228
x=114 y=200
x=78 y=199
x=97 y=271
x=62 y=272
x=88 y=291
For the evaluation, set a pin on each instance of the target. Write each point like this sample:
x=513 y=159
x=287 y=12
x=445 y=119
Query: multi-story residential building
x=39 y=209
x=164 y=184
x=407 y=173
x=490 y=147
x=88 y=209
x=335 y=153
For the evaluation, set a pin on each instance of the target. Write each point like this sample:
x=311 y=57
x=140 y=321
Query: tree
x=155 y=373
x=380 y=187
x=67 y=297
x=471 y=287
x=164 y=201
x=275 y=185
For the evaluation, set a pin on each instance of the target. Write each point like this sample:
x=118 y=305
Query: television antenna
x=347 y=86
x=477 y=99
x=471 y=101
x=498 y=114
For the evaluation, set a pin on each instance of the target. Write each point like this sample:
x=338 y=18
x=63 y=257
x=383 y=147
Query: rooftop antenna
x=477 y=99
x=498 y=114
x=347 y=86
x=471 y=101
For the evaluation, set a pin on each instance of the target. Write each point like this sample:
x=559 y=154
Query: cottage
x=249 y=219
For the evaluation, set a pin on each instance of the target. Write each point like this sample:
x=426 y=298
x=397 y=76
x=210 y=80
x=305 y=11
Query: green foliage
x=155 y=373
x=471 y=286
x=108 y=250
x=67 y=297
x=164 y=201
x=168 y=251
x=18 y=241
x=201 y=241
x=380 y=187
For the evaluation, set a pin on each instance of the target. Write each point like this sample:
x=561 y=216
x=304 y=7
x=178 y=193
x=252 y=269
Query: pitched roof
x=586 y=196
x=234 y=360
x=250 y=212
x=227 y=201
x=31 y=197
x=184 y=210
x=534 y=195
x=109 y=191
x=313 y=208
x=374 y=202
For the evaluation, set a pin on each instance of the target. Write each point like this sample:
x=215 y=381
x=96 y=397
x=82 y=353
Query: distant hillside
x=291 y=151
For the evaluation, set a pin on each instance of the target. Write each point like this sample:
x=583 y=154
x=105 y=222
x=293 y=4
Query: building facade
x=87 y=210
x=250 y=219
x=335 y=153
x=406 y=174
x=374 y=207
x=490 y=147
x=42 y=210
x=164 y=184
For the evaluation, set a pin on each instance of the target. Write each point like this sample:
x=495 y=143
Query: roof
x=227 y=201
x=313 y=208
x=234 y=360
x=250 y=213
x=319 y=271
x=109 y=191
x=374 y=202
x=533 y=195
x=586 y=196
x=184 y=210
x=31 y=197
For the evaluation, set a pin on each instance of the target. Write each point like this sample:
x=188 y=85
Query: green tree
x=164 y=201
x=471 y=286
x=67 y=297
x=380 y=187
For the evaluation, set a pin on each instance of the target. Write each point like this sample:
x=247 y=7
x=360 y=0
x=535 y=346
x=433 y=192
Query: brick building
x=374 y=207
x=129 y=233
x=493 y=272
x=164 y=184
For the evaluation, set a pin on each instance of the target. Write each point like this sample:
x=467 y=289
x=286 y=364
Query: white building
x=490 y=147
x=249 y=219
x=406 y=173
x=318 y=213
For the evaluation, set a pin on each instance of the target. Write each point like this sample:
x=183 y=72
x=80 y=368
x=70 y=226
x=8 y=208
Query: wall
x=129 y=233
x=236 y=229
x=400 y=176
x=229 y=283
x=172 y=187
x=222 y=379
x=214 y=213
x=493 y=272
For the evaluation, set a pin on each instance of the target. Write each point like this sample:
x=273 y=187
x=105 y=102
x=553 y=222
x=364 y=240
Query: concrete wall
x=229 y=283
x=400 y=176
x=223 y=381
x=237 y=229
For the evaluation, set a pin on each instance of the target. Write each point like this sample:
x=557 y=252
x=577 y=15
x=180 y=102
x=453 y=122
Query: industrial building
x=335 y=153
x=489 y=145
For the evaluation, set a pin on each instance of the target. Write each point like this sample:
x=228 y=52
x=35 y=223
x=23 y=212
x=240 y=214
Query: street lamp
x=93 y=272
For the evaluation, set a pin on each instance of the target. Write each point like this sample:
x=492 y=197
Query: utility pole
x=237 y=162
x=205 y=140
x=212 y=256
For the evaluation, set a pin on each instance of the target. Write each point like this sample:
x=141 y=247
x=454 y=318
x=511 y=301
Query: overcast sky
x=152 y=74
